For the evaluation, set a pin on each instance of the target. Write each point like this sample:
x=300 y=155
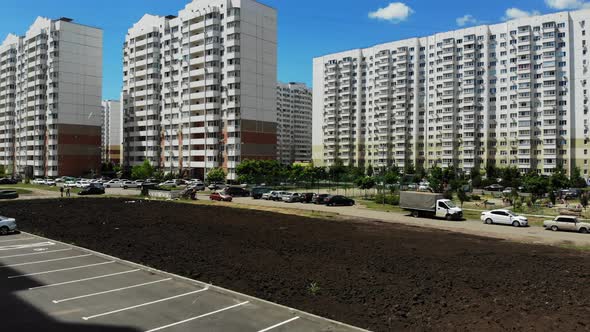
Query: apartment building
x=508 y=94
x=293 y=122
x=112 y=131
x=50 y=95
x=199 y=88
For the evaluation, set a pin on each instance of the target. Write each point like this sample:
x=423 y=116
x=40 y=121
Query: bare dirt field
x=382 y=277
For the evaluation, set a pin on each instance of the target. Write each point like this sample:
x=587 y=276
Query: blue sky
x=307 y=28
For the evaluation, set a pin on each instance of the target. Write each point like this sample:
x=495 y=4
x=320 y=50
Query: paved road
x=526 y=234
x=51 y=286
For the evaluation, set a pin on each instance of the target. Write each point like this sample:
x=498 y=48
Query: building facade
x=509 y=94
x=50 y=95
x=293 y=122
x=199 y=89
x=112 y=131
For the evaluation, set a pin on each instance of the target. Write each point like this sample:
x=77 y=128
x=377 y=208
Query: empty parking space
x=75 y=286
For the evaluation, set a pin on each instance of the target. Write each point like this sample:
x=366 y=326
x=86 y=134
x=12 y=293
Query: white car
x=7 y=225
x=50 y=182
x=38 y=181
x=70 y=184
x=505 y=217
x=129 y=184
x=291 y=197
x=112 y=184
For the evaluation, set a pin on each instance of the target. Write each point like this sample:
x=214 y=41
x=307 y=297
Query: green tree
x=436 y=179
x=584 y=200
x=492 y=171
x=216 y=175
x=535 y=184
x=391 y=177
x=142 y=171
x=576 y=180
x=462 y=196
x=559 y=179
x=510 y=177
x=370 y=170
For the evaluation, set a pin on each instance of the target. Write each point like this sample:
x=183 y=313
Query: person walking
x=61 y=191
x=68 y=192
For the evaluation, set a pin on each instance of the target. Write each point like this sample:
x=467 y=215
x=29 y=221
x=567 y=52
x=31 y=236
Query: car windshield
x=450 y=204
x=510 y=213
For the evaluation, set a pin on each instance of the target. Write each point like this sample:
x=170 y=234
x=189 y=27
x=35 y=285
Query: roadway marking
x=36 y=253
x=67 y=269
x=12 y=240
x=280 y=324
x=25 y=246
x=197 y=317
x=46 y=261
x=110 y=291
x=143 y=304
x=85 y=279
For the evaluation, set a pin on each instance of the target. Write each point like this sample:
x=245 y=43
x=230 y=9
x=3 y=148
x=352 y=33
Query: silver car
x=7 y=225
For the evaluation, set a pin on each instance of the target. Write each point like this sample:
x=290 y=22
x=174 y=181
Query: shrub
x=475 y=198
x=387 y=199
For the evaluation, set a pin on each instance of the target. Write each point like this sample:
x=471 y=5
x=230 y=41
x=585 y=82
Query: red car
x=220 y=197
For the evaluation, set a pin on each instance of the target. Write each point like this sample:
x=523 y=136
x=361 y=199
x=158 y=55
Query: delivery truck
x=429 y=204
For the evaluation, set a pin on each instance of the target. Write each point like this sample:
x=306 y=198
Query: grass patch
x=20 y=191
x=575 y=247
x=380 y=207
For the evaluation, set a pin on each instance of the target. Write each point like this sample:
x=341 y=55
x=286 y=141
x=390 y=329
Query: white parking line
x=110 y=291
x=279 y=324
x=26 y=246
x=12 y=240
x=85 y=279
x=36 y=253
x=46 y=261
x=143 y=304
x=67 y=269
x=197 y=317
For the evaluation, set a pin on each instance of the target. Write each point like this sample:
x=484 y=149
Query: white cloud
x=566 y=4
x=394 y=12
x=514 y=13
x=466 y=20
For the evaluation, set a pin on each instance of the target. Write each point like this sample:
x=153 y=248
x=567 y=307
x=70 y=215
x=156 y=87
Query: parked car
x=291 y=197
x=199 y=186
x=319 y=198
x=93 y=189
x=429 y=204
x=336 y=200
x=220 y=196
x=569 y=193
x=8 y=194
x=169 y=183
x=507 y=190
x=130 y=184
x=7 y=225
x=38 y=181
x=114 y=183
x=494 y=187
x=69 y=184
x=236 y=192
x=258 y=192
x=50 y=182
x=306 y=197
x=566 y=223
x=502 y=216
x=8 y=181
x=216 y=185
x=276 y=195
x=82 y=184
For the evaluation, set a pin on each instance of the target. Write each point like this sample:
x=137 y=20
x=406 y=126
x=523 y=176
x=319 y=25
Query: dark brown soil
x=377 y=276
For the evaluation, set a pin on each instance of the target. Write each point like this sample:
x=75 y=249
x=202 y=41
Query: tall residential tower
x=112 y=131
x=509 y=94
x=50 y=95
x=293 y=122
x=199 y=89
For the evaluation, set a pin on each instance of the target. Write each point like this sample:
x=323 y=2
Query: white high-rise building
x=293 y=122
x=508 y=94
x=112 y=131
x=199 y=89
x=50 y=99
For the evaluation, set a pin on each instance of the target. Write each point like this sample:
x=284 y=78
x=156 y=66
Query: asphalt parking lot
x=51 y=286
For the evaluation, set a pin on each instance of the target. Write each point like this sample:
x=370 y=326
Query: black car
x=236 y=192
x=8 y=194
x=306 y=197
x=92 y=189
x=319 y=198
x=258 y=191
x=8 y=181
x=494 y=187
x=339 y=200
